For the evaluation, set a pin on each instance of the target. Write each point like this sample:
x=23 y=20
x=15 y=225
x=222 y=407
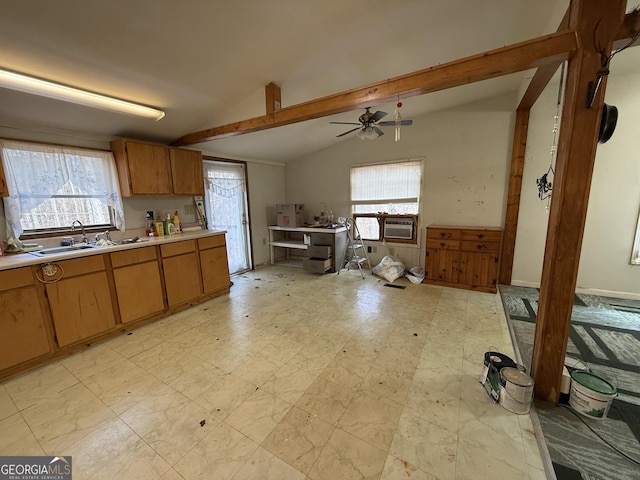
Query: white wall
x=613 y=203
x=467 y=155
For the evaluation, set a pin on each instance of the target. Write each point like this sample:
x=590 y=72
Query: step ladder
x=355 y=254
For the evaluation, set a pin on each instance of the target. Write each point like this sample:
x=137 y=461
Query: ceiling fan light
x=361 y=134
x=370 y=134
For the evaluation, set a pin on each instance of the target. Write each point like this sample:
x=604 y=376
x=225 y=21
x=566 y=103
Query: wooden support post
x=272 y=93
x=513 y=196
x=596 y=24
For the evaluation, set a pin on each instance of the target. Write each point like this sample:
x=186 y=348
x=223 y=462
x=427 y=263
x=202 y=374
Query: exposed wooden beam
x=533 y=53
x=573 y=172
x=544 y=74
x=518 y=151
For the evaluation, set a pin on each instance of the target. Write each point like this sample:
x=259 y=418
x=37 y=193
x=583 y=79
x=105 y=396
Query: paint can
x=591 y=395
x=516 y=390
x=490 y=376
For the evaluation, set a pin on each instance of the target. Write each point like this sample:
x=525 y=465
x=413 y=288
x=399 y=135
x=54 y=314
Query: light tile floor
x=290 y=376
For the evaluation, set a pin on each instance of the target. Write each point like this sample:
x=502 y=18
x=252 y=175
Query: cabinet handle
x=442 y=244
x=481 y=246
x=481 y=236
x=443 y=234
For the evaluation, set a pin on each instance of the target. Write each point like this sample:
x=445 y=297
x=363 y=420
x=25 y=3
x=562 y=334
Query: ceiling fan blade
x=348 y=131
x=393 y=124
x=345 y=123
x=377 y=116
x=378 y=131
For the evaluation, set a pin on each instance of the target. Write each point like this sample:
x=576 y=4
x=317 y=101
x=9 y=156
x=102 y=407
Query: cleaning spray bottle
x=176 y=222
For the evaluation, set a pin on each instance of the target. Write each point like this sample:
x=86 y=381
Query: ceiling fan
x=369 y=123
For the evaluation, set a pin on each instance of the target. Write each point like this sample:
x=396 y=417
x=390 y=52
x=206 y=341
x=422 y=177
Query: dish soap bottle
x=169 y=229
x=176 y=222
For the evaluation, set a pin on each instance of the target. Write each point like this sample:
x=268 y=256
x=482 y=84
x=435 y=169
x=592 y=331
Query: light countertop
x=25 y=259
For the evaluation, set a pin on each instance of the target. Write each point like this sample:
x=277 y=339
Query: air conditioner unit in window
x=398 y=228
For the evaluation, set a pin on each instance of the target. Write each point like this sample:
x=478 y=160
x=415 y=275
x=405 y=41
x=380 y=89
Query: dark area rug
x=605 y=335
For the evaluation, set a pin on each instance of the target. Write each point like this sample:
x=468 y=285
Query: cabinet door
x=4 y=190
x=215 y=269
x=181 y=278
x=186 y=171
x=139 y=290
x=22 y=324
x=149 y=169
x=81 y=307
x=479 y=269
x=443 y=265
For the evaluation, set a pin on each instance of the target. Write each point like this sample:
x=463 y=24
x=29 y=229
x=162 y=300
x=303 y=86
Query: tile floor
x=290 y=376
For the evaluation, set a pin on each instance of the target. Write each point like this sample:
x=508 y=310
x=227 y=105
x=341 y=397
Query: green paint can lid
x=593 y=382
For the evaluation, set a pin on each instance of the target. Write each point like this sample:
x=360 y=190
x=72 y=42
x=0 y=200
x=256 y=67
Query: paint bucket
x=490 y=377
x=591 y=395
x=516 y=390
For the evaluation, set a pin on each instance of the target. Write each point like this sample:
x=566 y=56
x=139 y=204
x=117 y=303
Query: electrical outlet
x=188 y=210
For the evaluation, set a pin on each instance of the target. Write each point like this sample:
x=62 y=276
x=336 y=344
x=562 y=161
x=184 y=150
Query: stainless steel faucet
x=84 y=235
x=106 y=234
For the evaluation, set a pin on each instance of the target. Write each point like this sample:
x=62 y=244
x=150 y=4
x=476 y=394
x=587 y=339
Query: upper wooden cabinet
x=4 y=190
x=153 y=169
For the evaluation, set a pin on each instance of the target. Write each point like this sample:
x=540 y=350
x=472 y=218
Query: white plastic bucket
x=516 y=390
x=590 y=394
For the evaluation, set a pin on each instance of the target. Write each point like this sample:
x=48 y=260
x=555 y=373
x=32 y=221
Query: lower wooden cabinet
x=181 y=271
x=214 y=264
x=23 y=331
x=136 y=274
x=80 y=301
x=463 y=257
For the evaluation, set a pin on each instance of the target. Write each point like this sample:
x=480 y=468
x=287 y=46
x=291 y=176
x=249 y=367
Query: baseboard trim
x=586 y=291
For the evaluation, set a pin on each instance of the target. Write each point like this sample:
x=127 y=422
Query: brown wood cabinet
x=80 y=301
x=138 y=283
x=214 y=264
x=154 y=169
x=23 y=332
x=181 y=270
x=463 y=257
x=4 y=189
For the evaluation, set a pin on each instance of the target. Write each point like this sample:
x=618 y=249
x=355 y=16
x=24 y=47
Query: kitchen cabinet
x=23 y=321
x=181 y=271
x=463 y=257
x=4 y=189
x=154 y=169
x=138 y=283
x=186 y=172
x=80 y=299
x=213 y=263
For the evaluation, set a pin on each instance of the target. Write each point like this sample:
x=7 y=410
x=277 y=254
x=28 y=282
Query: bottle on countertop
x=176 y=222
x=169 y=228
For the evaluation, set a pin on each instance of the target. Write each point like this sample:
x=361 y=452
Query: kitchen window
x=385 y=200
x=50 y=186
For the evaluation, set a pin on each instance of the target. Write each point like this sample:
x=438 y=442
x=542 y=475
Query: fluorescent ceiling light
x=24 y=83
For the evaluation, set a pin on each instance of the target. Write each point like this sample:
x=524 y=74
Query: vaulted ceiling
x=205 y=63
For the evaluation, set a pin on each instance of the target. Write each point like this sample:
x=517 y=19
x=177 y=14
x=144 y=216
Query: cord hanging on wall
x=398 y=119
x=545 y=182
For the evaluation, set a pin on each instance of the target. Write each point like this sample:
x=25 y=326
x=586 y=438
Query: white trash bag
x=389 y=268
x=415 y=274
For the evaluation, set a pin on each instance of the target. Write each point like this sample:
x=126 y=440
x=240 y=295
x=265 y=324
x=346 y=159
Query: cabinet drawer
x=480 y=246
x=319 y=251
x=16 y=278
x=211 y=242
x=443 y=233
x=129 y=257
x=443 y=244
x=177 y=248
x=484 y=235
x=81 y=266
x=316 y=265
x=322 y=238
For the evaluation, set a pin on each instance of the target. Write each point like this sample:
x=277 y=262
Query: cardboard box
x=316 y=265
x=319 y=251
x=290 y=215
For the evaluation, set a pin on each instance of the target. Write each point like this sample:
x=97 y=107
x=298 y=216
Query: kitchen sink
x=127 y=241
x=57 y=250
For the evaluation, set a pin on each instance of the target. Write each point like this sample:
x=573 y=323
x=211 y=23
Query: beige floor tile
x=426 y=445
x=257 y=368
x=166 y=361
x=298 y=439
x=43 y=383
x=348 y=458
x=7 y=407
x=194 y=382
x=387 y=382
x=171 y=474
x=264 y=465
x=398 y=469
x=225 y=395
x=326 y=399
x=17 y=438
x=288 y=383
x=139 y=461
x=372 y=419
x=219 y=455
x=257 y=416
x=134 y=342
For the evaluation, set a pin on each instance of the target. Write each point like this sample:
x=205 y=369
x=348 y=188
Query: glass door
x=225 y=186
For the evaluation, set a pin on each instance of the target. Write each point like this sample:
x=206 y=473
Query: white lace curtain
x=35 y=173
